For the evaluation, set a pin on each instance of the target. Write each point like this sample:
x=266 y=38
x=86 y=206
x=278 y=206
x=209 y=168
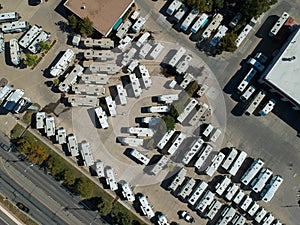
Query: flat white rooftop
x=283 y=72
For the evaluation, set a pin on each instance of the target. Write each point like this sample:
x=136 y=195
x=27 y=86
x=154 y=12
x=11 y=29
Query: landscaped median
x=78 y=183
x=4 y=202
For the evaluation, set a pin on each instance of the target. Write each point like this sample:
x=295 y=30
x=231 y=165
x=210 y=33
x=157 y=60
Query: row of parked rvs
x=13 y=100
x=200 y=197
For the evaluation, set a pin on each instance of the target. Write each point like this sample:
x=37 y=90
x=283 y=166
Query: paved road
x=49 y=203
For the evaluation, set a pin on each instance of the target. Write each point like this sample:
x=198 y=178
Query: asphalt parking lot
x=269 y=138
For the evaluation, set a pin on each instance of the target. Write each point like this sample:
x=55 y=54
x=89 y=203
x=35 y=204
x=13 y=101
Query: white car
x=256 y=64
x=186 y=216
x=261 y=57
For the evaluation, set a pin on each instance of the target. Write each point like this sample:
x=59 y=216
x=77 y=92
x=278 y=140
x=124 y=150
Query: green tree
x=201 y=5
x=227 y=43
x=123 y=218
x=56 y=82
x=105 y=207
x=218 y=4
x=83 y=187
x=169 y=121
x=30 y=59
x=69 y=177
x=73 y=21
x=44 y=45
x=254 y=8
x=85 y=27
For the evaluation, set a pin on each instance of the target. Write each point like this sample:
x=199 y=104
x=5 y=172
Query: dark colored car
x=22 y=207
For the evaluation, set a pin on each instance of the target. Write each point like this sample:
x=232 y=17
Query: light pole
x=31 y=165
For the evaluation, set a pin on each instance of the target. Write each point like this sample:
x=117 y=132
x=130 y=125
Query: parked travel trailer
x=259 y=183
x=111 y=105
x=238 y=220
x=215 y=163
x=231 y=191
x=140 y=156
x=72 y=145
x=187 y=110
x=137 y=26
x=146 y=207
x=160 y=165
x=239 y=196
x=29 y=36
x=83 y=100
x=205 y=202
x=218 y=36
x=14 y=50
x=252 y=171
x=173 y=7
x=127 y=191
x=278 y=25
x=62 y=65
x=40 y=120
x=175 y=59
x=61 y=136
x=213 y=209
x=222 y=186
x=12 y=99
x=189 y=19
x=145 y=50
x=236 y=165
x=102 y=118
x=242 y=36
x=99 y=168
x=156 y=51
x=9 y=17
x=176 y=143
x=165 y=139
x=208 y=130
x=269 y=191
x=183 y=65
x=203 y=156
x=198 y=191
x=248 y=93
x=110 y=178
x=253 y=209
x=200 y=23
x=130 y=141
x=191 y=152
x=49 y=126
x=86 y=154
x=178 y=180
x=144 y=72
x=103 y=43
x=140 y=42
x=268 y=107
x=226 y=215
x=34 y=47
x=256 y=102
x=214 y=24
x=15 y=27
x=122 y=94
x=180 y=13
x=186 y=189
x=123 y=29
x=260 y=215
x=246 y=81
x=71 y=78
x=244 y=205
x=187 y=79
